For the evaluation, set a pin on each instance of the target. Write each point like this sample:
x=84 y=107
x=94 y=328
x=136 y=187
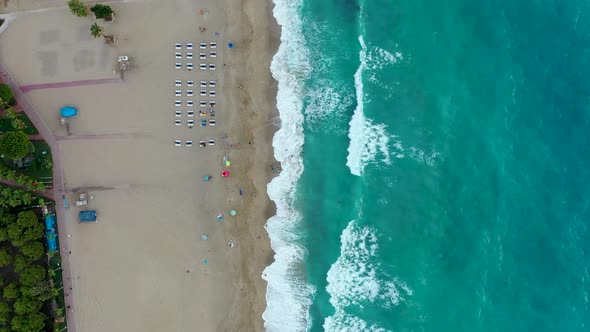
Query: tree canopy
x=6 y=94
x=26 y=228
x=77 y=8
x=32 y=275
x=29 y=322
x=102 y=11
x=26 y=305
x=10 y=291
x=5 y=258
x=4 y=312
x=33 y=250
x=14 y=144
x=95 y=30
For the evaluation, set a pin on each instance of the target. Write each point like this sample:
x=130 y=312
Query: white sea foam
x=288 y=296
x=326 y=107
x=356 y=278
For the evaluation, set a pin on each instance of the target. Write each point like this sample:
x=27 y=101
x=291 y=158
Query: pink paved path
x=27 y=88
x=58 y=190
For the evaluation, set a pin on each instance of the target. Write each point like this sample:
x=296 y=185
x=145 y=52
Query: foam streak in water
x=288 y=296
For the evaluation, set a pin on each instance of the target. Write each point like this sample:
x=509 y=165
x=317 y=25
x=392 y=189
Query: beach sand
x=141 y=267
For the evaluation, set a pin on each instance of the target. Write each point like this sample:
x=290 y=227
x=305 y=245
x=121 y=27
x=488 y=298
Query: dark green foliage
x=26 y=228
x=33 y=250
x=6 y=94
x=77 y=8
x=20 y=262
x=11 y=291
x=4 y=312
x=102 y=11
x=42 y=291
x=10 y=197
x=14 y=144
x=32 y=275
x=5 y=258
x=28 y=323
x=26 y=305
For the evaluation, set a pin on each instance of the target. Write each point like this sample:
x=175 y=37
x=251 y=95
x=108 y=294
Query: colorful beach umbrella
x=233 y=212
x=225 y=173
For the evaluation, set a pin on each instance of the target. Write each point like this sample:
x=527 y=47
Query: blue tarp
x=87 y=216
x=68 y=111
x=50 y=233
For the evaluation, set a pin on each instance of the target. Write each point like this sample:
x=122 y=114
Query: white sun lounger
x=212 y=84
x=211 y=142
x=211 y=66
x=203 y=66
x=178 y=46
x=203 y=45
x=202 y=56
x=212 y=103
x=178 y=55
x=213 y=54
x=189 y=56
x=178 y=113
x=190 y=114
x=177 y=103
x=202 y=144
x=189 y=66
x=177 y=142
x=189 y=103
x=178 y=65
x=177 y=83
x=203 y=93
x=203 y=84
x=189 y=46
x=190 y=83
x=177 y=122
x=203 y=103
x=213 y=44
x=212 y=122
x=177 y=93
x=189 y=143
x=189 y=93
x=190 y=123
x=212 y=93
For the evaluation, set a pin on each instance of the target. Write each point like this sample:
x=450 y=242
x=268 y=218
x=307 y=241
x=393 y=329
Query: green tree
x=10 y=113
x=102 y=11
x=3 y=234
x=6 y=94
x=4 y=312
x=28 y=323
x=20 y=262
x=11 y=291
x=14 y=144
x=45 y=161
x=77 y=8
x=41 y=291
x=33 y=250
x=32 y=275
x=96 y=30
x=5 y=258
x=25 y=305
x=26 y=228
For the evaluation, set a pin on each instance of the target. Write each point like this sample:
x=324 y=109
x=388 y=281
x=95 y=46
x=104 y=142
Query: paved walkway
x=27 y=88
x=58 y=189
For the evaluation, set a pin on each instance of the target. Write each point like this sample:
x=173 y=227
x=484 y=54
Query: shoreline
x=257 y=39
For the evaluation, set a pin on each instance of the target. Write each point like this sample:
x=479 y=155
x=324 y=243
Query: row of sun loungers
x=190 y=93
x=190 y=66
x=190 y=143
x=191 y=122
x=191 y=113
x=190 y=103
x=203 y=84
x=190 y=46
x=202 y=56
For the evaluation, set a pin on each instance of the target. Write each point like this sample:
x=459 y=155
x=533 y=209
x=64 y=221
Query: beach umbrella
x=230 y=45
x=227 y=163
x=219 y=217
x=204 y=237
x=206 y=178
x=225 y=173
x=233 y=212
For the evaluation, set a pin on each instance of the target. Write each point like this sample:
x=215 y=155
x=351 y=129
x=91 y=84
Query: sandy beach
x=144 y=266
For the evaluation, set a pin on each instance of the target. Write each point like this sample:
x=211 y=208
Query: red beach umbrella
x=225 y=173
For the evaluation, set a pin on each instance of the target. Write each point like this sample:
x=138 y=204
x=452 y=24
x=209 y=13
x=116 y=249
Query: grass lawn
x=29 y=130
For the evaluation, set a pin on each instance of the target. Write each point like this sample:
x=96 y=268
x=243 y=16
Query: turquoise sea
x=436 y=166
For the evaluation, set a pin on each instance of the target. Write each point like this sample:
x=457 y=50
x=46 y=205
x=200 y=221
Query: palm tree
x=96 y=30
